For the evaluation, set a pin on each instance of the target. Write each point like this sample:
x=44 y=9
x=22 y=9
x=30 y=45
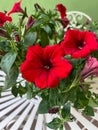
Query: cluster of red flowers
x=6 y=17
x=47 y=66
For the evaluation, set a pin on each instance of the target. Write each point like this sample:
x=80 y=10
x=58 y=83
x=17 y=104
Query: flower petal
x=16 y=8
x=34 y=53
x=53 y=79
x=61 y=68
x=62 y=10
x=52 y=52
x=42 y=80
x=30 y=70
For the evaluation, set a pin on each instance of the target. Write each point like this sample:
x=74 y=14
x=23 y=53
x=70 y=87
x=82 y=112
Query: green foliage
x=7 y=61
x=88 y=111
x=4 y=45
x=30 y=39
x=65 y=111
x=95 y=54
x=11 y=78
x=43 y=107
x=55 y=124
x=19 y=89
x=44 y=38
x=14 y=91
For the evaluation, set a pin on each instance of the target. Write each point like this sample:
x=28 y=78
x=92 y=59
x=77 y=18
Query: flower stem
x=74 y=84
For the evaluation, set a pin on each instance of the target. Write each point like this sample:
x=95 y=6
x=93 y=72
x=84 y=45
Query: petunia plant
x=54 y=61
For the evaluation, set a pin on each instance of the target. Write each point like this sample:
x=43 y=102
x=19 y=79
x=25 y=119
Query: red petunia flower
x=4 y=18
x=79 y=44
x=62 y=10
x=45 y=66
x=16 y=8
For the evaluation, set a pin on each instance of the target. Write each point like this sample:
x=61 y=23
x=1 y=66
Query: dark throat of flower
x=48 y=65
x=81 y=44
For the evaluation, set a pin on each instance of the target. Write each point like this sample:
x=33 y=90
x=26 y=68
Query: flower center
x=47 y=64
x=81 y=45
x=47 y=67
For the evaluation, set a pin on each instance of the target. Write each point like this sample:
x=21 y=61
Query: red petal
x=47 y=79
x=61 y=68
x=41 y=81
x=34 y=53
x=62 y=9
x=53 y=79
x=30 y=70
x=52 y=52
x=91 y=41
x=16 y=8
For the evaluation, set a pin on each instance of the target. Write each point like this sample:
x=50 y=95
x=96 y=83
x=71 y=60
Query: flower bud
x=54 y=110
x=29 y=23
x=3 y=33
x=90 y=68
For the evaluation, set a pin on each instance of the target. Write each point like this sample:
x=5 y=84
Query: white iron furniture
x=77 y=18
x=21 y=114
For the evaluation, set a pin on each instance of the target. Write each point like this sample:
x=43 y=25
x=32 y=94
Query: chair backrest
x=77 y=18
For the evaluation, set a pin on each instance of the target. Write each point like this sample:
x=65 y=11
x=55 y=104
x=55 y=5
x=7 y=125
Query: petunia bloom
x=90 y=68
x=45 y=66
x=62 y=10
x=79 y=44
x=16 y=8
x=4 y=18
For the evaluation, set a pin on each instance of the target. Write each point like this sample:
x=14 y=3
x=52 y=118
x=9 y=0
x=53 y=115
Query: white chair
x=77 y=18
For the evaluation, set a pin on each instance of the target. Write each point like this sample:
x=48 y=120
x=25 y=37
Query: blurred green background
x=89 y=7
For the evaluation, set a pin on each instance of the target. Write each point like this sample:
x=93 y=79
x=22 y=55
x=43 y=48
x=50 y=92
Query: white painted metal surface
x=77 y=18
x=18 y=113
x=21 y=114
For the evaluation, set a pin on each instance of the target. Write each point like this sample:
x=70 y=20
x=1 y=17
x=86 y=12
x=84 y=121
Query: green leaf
x=30 y=39
x=88 y=111
x=47 y=29
x=54 y=124
x=95 y=54
x=44 y=38
x=11 y=78
x=81 y=99
x=65 y=111
x=21 y=90
x=5 y=45
x=55 y=100
x=14 y=91
x=61 y=127
x=43 y=107
x=92 y=103
x=7 y=61
x=29 y=91
x=37 y=23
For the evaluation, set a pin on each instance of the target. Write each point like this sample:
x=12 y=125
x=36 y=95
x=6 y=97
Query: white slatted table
x=18 y=113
